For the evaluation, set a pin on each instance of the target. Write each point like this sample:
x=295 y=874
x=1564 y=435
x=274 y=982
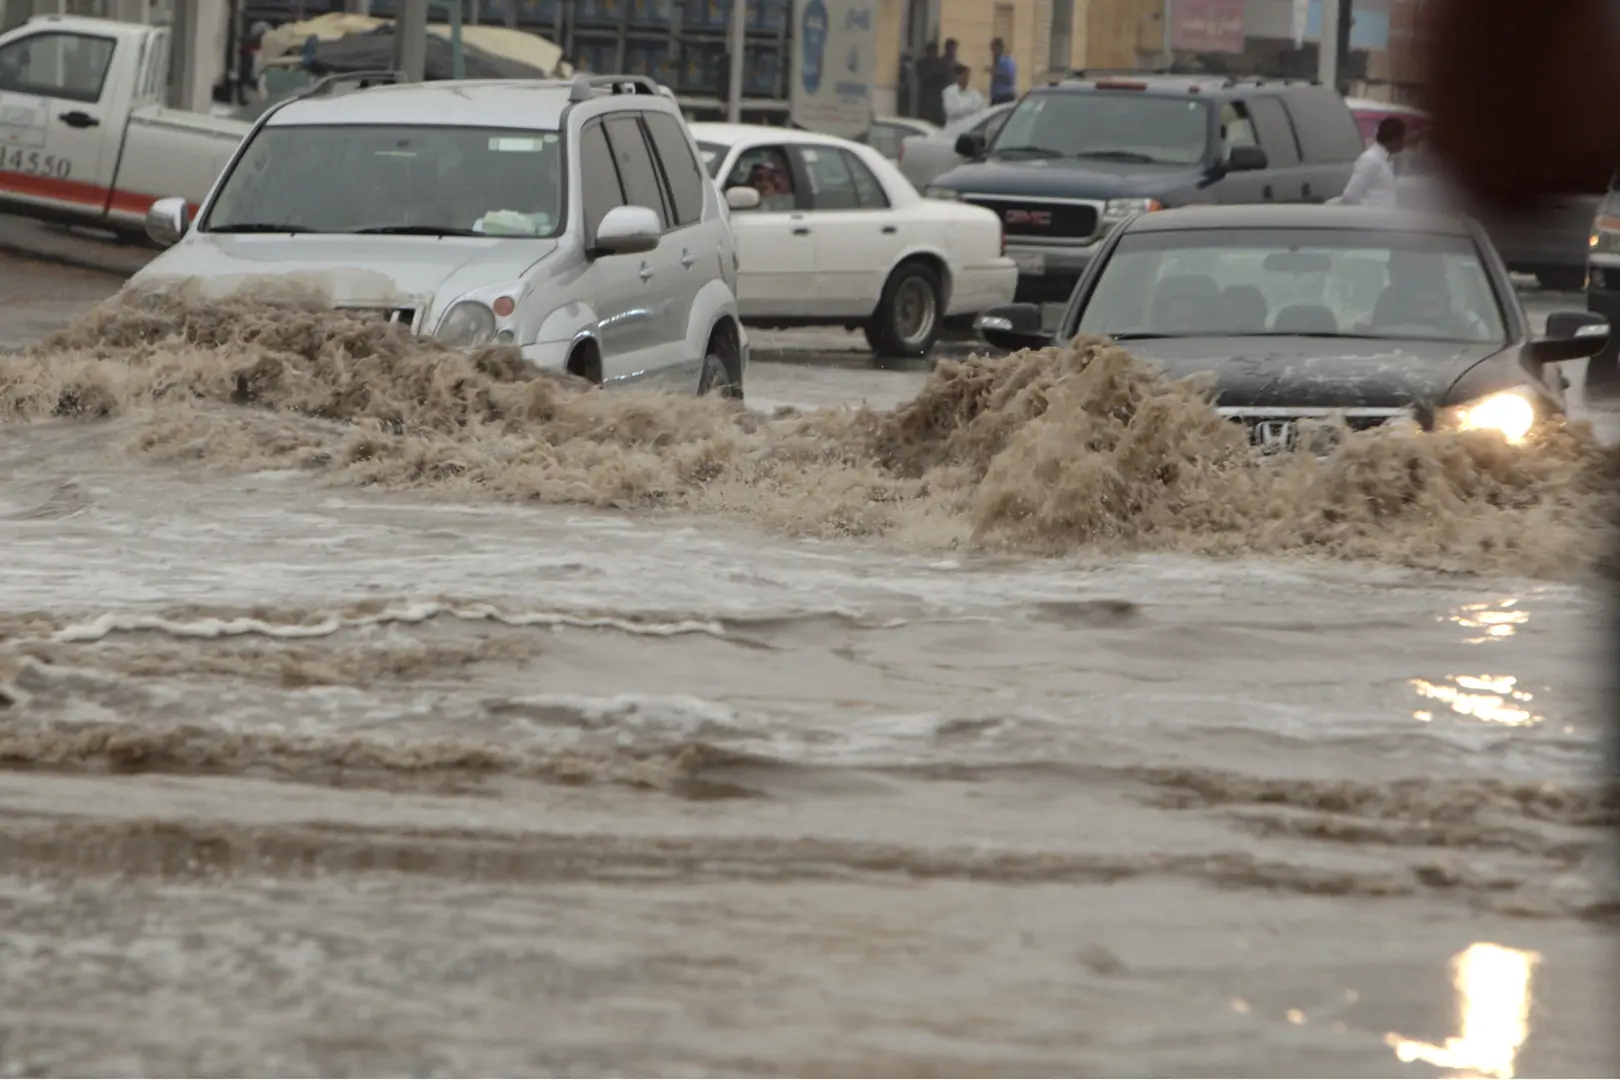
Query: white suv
x=571 y=219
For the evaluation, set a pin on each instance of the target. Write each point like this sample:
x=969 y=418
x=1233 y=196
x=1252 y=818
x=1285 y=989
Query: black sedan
x=1304 y=312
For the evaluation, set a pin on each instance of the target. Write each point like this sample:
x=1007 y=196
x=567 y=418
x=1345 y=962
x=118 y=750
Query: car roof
x=1155 y=83
x=731 y=134
x=534 y=104
x=1298 y=216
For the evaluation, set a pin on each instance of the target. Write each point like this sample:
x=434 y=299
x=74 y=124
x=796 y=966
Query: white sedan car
x=923 y=157
x=837 y=237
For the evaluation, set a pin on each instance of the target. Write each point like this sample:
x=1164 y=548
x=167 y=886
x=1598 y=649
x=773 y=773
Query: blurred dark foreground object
x=1524 y=95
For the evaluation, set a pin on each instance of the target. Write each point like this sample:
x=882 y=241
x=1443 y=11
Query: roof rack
x=586 y=87
x=1266 y=80
x=328 y=85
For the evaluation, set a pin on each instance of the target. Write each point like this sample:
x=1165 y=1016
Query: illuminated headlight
x=1510 y=413
x=1605 y=238
x=467 y=325
x=948 y=194
x=1123 y=208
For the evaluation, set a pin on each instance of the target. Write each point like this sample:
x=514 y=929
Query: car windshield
x=395 y=178
x=1127 y=126
x=1295 y=282
x=713 y=155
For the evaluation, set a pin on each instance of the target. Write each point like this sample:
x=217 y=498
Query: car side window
x=991 y=126
x=637 y=172
x=831 y=184
x=71 y=67
x=869 y=193
x=1236 y=128
x=1276 y=131
x=766 y=169
x=885 y=139
x=599 y=178
x=681 y=170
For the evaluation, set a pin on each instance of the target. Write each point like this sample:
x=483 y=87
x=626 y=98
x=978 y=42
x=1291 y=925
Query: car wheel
x=722 y=369
x=908 y=316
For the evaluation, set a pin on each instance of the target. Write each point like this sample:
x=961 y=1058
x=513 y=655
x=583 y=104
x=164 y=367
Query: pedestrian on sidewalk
x=1003 y=74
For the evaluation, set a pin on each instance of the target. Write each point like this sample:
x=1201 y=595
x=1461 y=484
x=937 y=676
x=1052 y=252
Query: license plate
x=1031 y=264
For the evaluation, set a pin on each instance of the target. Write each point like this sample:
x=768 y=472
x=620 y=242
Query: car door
x=54 y=121
x=661 y=331
x=688 y=240
x=1240 y=188
x=1290 y=181
x=611 y=284
x=858 y=236
x=776 y=247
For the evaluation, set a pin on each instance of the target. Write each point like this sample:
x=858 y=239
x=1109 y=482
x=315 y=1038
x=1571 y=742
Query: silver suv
x=570 y=218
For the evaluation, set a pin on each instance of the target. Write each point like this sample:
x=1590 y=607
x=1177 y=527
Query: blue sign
x=813 y=43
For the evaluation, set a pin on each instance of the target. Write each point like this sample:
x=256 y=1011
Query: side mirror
x=167 y=221
x=1013 y=327
x=969 y=145
x=1571 y=335
x=1246 y=159
x=742 y=198
x=627 y=230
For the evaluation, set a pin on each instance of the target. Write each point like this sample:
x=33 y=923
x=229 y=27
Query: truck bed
x=170 y=152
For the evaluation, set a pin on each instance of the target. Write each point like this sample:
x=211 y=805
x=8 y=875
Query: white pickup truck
x=84 y=136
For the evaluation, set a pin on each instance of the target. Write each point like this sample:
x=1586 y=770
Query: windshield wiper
x=416 y=230
x=259 y=227
x=1038 y=151
x=1147 y=335
x=1120 y=155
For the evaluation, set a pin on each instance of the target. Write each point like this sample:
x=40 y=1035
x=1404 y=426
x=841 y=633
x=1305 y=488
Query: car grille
x=1041 y=220
x=1279 y=428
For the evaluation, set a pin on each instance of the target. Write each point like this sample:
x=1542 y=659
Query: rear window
x=1326 y=129
x=713 y=155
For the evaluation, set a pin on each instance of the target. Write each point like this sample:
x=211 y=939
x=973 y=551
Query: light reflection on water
x=1492 y=698
x=1494 y=622
x=1493 y=1007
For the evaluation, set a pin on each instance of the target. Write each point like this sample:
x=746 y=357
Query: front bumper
x=1048 y=273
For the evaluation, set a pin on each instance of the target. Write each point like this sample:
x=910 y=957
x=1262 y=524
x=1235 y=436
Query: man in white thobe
x=1372 y=181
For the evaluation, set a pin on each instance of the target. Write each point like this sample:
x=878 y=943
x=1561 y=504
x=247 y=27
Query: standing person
x=1003 y=74
x=960 y=99
x=934 y=74
x=1372 y=181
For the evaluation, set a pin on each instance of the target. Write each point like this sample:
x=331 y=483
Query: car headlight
x=1605 y=238
x=467 y=325
x=1510 y=413
x=1123 y=208
x=948 y=194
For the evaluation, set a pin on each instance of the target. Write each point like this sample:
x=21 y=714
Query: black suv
x=1076 y=158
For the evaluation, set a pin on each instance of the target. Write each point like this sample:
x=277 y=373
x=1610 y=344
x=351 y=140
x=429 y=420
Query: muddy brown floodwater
x=368 y=709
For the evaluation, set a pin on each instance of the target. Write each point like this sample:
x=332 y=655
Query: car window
x=68 y=66
x=1276 y=132
x=713 y=155
x=1125 y=126
x=766 y=170
x=831 y=184
x=869 y=193
x=1236 y=128
x=1228 y=282
x=601 y=192
x=885 y=139
x=636 y=170
x=680 y=167
x=1327 y=131
x=993 y=124
x=345 y=178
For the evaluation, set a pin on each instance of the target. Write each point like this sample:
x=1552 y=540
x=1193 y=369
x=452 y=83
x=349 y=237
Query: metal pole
x=736 y=42
x=410 y=39
x=1167 y=51
x=1327 y=47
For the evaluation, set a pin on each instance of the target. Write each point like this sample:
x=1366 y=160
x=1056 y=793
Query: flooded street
x=628 y=738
